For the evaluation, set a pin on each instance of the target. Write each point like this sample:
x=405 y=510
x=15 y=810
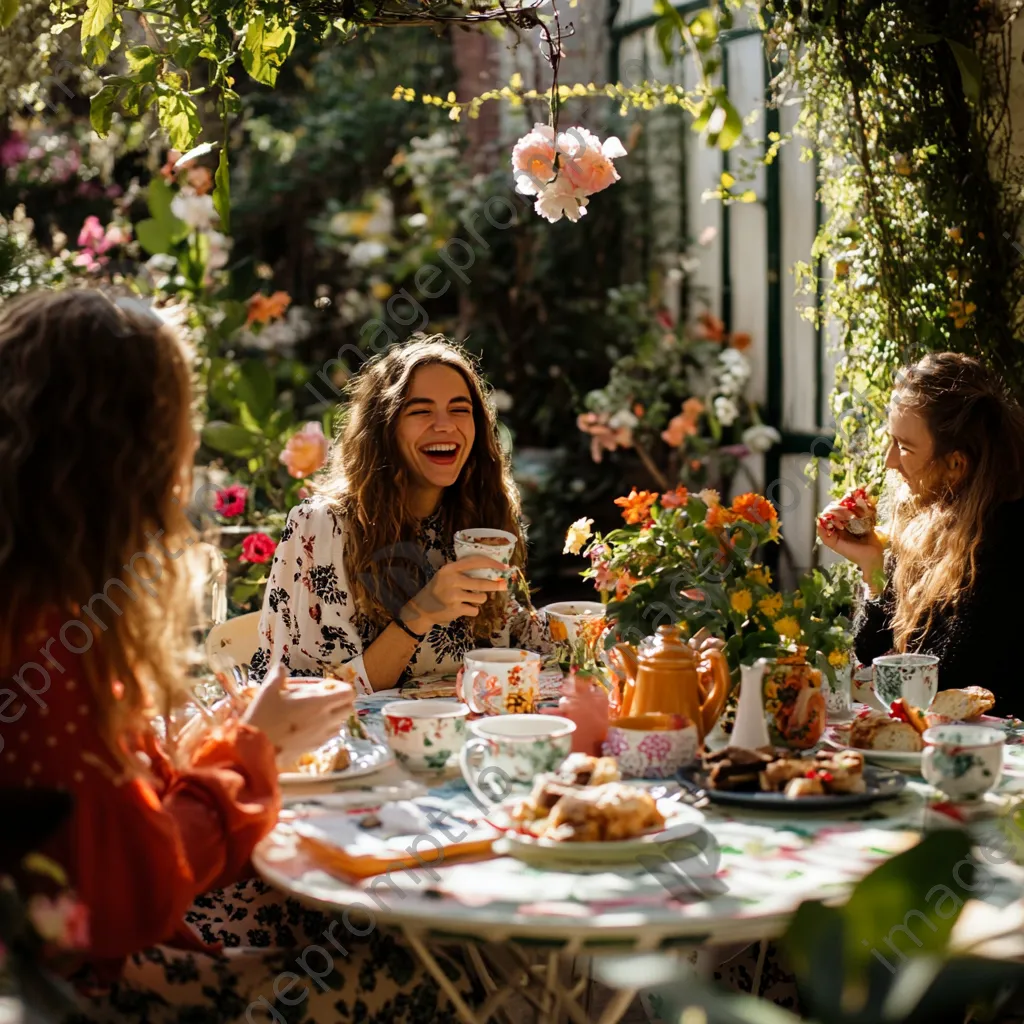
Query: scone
x=627 y=811
x=575 y=820
x=779 y=773
x=586 y=770
x=959 y=705
x=877 y=731
x=805 y=787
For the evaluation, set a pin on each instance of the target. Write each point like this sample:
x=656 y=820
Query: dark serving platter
x=881 y=783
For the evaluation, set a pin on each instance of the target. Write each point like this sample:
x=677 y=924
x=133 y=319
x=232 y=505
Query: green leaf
x=143 y=61
x=8 y=12
x=247 y=419
x=733 y=127
x=971 y=71
x=101 y=109
x=255 y=388
x=264 y=50
x=222 y=192
x=41 y=865
x=229 y=438
x=187 y=54
x=179 y=117
x=97 y=17
x=154 y=236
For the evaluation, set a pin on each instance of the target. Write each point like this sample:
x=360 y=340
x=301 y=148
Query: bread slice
x=877 y=731
x=960 y=705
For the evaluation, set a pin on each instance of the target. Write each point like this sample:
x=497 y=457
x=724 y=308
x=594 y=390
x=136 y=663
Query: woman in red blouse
x=96 y=446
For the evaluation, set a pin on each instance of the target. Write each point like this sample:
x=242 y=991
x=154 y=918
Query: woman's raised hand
x=866 y=551
x=299 y=716
x=451 y=594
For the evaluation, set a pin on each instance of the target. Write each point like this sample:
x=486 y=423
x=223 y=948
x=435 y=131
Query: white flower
x=727 y=383
x=623 y=418
x=366 y=252
x=196 y=211
x=417 y=220
x=577 y=535
x=560 y=198
x=736 y=363
x=159 y=269
x=220 y=249
x=726 y=411
x=760 y=437
x=501 y=400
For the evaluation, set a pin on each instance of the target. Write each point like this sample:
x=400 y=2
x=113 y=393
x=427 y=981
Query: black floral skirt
x=281 y=962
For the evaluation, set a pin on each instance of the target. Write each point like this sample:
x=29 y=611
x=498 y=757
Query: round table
x=760 y=868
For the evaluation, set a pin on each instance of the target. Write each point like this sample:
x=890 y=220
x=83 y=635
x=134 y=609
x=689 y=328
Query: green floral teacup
x=963 y=761
x=914 y=677
x=510 y=749
x=425 y=734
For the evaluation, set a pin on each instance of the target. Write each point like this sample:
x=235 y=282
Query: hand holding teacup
x=453 y=593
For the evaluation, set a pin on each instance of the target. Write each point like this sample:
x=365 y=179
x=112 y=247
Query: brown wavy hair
x=94 y=435
x=936 y=536
x=368 y=481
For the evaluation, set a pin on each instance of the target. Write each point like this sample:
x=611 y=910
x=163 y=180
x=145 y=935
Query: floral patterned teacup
x=500 y=681
x=496 y=544
x=565 y=618
x=963 y=761
x=425 y=734
x=513 y=749
x=914 y=677
x=651 y=746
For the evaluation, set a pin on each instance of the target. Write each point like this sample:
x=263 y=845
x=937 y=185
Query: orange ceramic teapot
x=667 y=676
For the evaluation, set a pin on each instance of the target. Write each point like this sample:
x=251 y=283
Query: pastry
x=779 y=773
x=797 y=788
x=863 y=522
x=586 y=770
x=738 y=770
x=610 y=812
x=959 y=705
x=906 y=712
x=877 y=731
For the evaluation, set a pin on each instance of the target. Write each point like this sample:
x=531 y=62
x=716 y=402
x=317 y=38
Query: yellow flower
x=961 y=312
x=381 y=290
x=741 y=601
x=771 y=605
x=839 y=659
x=787 y=627
x=710 y=497
x=956 y=235
x=760 y=575
x=577 y=535
x=798 y=601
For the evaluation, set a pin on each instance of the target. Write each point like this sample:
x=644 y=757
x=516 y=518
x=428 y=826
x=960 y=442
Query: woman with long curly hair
x=365 y=574
x=949 y=582
x=96 y=447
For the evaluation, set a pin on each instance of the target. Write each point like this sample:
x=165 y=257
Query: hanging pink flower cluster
x=94 y=241
x=583 y=166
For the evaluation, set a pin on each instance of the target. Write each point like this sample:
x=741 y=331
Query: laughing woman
x=365 y=575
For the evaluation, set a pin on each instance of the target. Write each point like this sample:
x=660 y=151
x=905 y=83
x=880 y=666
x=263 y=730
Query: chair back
x=233 y=642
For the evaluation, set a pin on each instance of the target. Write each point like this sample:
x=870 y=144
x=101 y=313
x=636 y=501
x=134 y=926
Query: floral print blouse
x=310 y=623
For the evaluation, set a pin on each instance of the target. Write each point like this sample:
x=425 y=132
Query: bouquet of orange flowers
x=689 y=560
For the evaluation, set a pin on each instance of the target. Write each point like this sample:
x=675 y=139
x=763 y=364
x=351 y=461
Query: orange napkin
x=336 y=861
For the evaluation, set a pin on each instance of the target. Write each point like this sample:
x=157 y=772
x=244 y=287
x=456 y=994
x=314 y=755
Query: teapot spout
x=627 y=654
x=624 y=660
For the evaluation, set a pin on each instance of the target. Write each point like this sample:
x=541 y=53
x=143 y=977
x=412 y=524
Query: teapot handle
x=715 y=682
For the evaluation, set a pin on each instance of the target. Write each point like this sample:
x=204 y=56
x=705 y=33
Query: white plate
x=680 y=822
x=901 y=760
x=367 y=757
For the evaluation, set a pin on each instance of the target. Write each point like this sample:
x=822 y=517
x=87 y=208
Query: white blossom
x=366 y=252
x=760 y=437
x=726 y=411
x=501 y=400
x=623 y=418
x=196 y=211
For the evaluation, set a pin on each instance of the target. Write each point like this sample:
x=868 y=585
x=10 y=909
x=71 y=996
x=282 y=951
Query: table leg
x=466 y=1015
x=755 y=989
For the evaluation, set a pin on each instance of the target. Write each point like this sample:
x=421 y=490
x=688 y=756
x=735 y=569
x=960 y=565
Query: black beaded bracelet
x=418 y=637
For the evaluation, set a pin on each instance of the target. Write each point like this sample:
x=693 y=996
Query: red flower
x=231 y=501
x=399 y=725
x=257 y=547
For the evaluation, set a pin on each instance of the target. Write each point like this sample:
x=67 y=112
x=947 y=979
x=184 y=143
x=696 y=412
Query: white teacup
x=500 y=681
x=484 y=541
x=425 y=734
x=963 y=761
x=914 y=677
x=565 y=618
x=513 y=749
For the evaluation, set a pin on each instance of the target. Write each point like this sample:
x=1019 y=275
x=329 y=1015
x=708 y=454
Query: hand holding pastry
x=847 y=527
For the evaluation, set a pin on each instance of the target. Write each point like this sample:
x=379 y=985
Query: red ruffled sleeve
x=138 y=852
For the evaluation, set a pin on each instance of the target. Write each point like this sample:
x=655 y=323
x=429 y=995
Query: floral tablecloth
x=754 y=870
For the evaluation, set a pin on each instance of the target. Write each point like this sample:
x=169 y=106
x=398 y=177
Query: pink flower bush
x=305 y=451
x=258 y=548
x=13 y=150
x=230 y=501
x=95 y=241
x=562 y=173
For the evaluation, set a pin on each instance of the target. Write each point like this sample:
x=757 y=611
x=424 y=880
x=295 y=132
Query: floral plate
x=881 y=784
x=367 y=757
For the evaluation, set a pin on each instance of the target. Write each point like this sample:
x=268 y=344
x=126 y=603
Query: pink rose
x=533 y=160
x=91 y=235
x=586 y=161
x=230 y=501
x=560 y=198
x=258 y=548
x=305 y=451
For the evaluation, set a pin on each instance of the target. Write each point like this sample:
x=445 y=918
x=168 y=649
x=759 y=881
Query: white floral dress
x=310 y=622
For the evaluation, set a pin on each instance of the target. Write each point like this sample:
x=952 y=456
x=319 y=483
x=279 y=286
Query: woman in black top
x=951 y=579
